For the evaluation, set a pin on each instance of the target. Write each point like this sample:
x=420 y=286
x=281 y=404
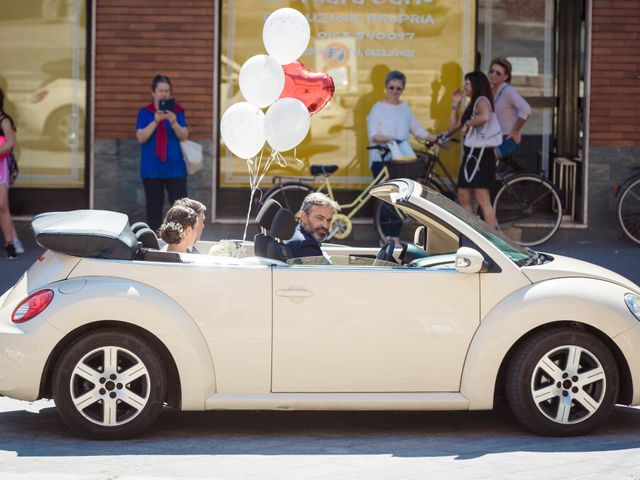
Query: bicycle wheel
x=629 y=210
x=528 y=209
x=387 y=220
x=290 y=195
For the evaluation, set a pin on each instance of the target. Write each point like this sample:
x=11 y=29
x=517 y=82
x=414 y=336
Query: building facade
x=93 y=61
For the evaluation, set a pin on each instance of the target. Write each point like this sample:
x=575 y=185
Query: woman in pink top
x=511 y=109
x=7 y=130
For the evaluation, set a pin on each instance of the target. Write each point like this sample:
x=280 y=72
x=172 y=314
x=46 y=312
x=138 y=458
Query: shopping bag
x=401 y=150
x=192 y=155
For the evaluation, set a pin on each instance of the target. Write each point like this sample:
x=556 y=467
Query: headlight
x=633 y=302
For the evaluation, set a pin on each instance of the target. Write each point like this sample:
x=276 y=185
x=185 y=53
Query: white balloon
x=242 y=129
x=261 y=80
x=286 y=34
x=286 y=124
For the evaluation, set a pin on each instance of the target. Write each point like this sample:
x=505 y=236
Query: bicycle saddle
x=323 y=169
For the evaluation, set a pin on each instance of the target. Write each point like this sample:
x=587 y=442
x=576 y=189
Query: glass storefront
x=43 y=48
x=523 y=31
x=357 y=42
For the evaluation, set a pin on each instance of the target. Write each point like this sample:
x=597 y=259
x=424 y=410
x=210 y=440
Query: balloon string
x=295 y=156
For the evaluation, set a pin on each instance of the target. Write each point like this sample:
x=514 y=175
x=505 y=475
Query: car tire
x=109 y=384
x=562 y=382
x=59 y=128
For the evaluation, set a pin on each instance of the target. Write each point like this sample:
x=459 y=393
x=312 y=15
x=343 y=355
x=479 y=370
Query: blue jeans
x=507 y=148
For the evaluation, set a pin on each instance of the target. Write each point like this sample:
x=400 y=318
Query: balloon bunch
x=278 y=81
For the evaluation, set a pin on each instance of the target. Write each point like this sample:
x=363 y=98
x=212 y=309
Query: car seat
x=147 y=238
x=138 y=226
x=264 y=220
x=282 y=228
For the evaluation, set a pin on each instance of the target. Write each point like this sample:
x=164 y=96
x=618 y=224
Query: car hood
x=562 y=266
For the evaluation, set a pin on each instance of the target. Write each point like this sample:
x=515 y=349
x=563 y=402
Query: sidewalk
x=611 y=251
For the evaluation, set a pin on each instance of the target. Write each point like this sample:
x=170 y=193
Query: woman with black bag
x=478 y=170
x=7 y=142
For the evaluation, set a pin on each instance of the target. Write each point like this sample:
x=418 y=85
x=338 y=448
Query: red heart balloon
x=314 y=89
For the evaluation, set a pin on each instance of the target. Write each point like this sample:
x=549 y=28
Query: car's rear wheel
x=562 y=382
x=65 y=128
x=109 y=384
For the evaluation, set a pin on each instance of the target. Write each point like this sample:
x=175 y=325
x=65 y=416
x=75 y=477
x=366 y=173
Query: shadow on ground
x=461 y=435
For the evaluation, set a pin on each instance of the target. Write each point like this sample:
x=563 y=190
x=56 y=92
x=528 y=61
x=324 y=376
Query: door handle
x=293 y=293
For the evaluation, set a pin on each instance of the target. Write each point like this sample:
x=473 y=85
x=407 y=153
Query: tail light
x=32 y=306
x=39 y=96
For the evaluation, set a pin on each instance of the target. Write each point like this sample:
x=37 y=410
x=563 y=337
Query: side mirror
x=420 y=237
x=469 y=260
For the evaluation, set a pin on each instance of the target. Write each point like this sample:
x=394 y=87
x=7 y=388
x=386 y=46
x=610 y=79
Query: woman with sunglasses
x=511 y=109
x=476 y=177
x=392 y=119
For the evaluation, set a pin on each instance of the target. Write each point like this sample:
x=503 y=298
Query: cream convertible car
x=113 y=331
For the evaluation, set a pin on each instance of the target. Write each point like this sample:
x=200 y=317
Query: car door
x=373 y=329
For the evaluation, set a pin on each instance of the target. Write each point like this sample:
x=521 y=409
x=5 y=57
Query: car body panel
x=229 y=306
x=562 y=266
x=329 y=337
x=596 y=303
x=60 y=93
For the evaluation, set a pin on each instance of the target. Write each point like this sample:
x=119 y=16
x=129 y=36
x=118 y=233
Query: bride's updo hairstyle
x=176 y=221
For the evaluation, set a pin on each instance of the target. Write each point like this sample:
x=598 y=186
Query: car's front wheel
x=109 y=384
x=562 y=381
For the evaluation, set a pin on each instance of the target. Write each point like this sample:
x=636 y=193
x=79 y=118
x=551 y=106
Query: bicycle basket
x=412 y=169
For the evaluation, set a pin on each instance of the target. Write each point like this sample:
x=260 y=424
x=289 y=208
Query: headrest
x=148 y=238
x=267 y=212
x=138 y=226
x=283 y=225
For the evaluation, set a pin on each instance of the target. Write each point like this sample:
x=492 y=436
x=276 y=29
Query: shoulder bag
x=192 y=155
x=487 y=135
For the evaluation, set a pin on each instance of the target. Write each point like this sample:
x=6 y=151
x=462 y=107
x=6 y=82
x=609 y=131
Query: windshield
x=517 y=253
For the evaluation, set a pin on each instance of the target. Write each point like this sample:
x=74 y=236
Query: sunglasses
x=495 y=72
x=395 y=88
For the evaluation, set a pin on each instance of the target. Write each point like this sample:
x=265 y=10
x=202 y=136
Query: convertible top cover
x=86 y=233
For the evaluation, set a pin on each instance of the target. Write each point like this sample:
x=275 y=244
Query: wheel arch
x=174 y=393
x=625 y=392
x=579 y=302
x=108 y=301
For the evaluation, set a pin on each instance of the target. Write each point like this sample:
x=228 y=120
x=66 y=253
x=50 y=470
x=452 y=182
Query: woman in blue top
x=162 y=166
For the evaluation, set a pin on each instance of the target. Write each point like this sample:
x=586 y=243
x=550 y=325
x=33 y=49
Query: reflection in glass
x=43 y=50
x=356 y=43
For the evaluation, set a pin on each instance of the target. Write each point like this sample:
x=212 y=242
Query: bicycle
x=528 y=207
x=629 y=205
x=291 y=191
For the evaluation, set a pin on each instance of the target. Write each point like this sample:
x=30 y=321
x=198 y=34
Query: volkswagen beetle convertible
x=114 y=331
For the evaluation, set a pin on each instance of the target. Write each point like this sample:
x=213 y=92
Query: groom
x=316 y=215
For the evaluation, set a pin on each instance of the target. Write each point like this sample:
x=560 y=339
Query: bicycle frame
x=325 y=186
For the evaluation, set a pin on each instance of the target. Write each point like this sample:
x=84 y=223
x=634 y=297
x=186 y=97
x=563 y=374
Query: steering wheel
x=386 y=252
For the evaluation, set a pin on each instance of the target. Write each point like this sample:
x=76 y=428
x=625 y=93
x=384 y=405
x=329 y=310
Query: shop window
x=43 y=51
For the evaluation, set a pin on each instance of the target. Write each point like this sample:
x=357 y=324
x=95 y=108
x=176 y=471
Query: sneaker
x=18 y=246
x=11 y=251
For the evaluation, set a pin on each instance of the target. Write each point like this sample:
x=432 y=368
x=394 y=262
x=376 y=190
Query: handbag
x=401 y=150
x=487 y=135
x=13 y=168
x=192 y=155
